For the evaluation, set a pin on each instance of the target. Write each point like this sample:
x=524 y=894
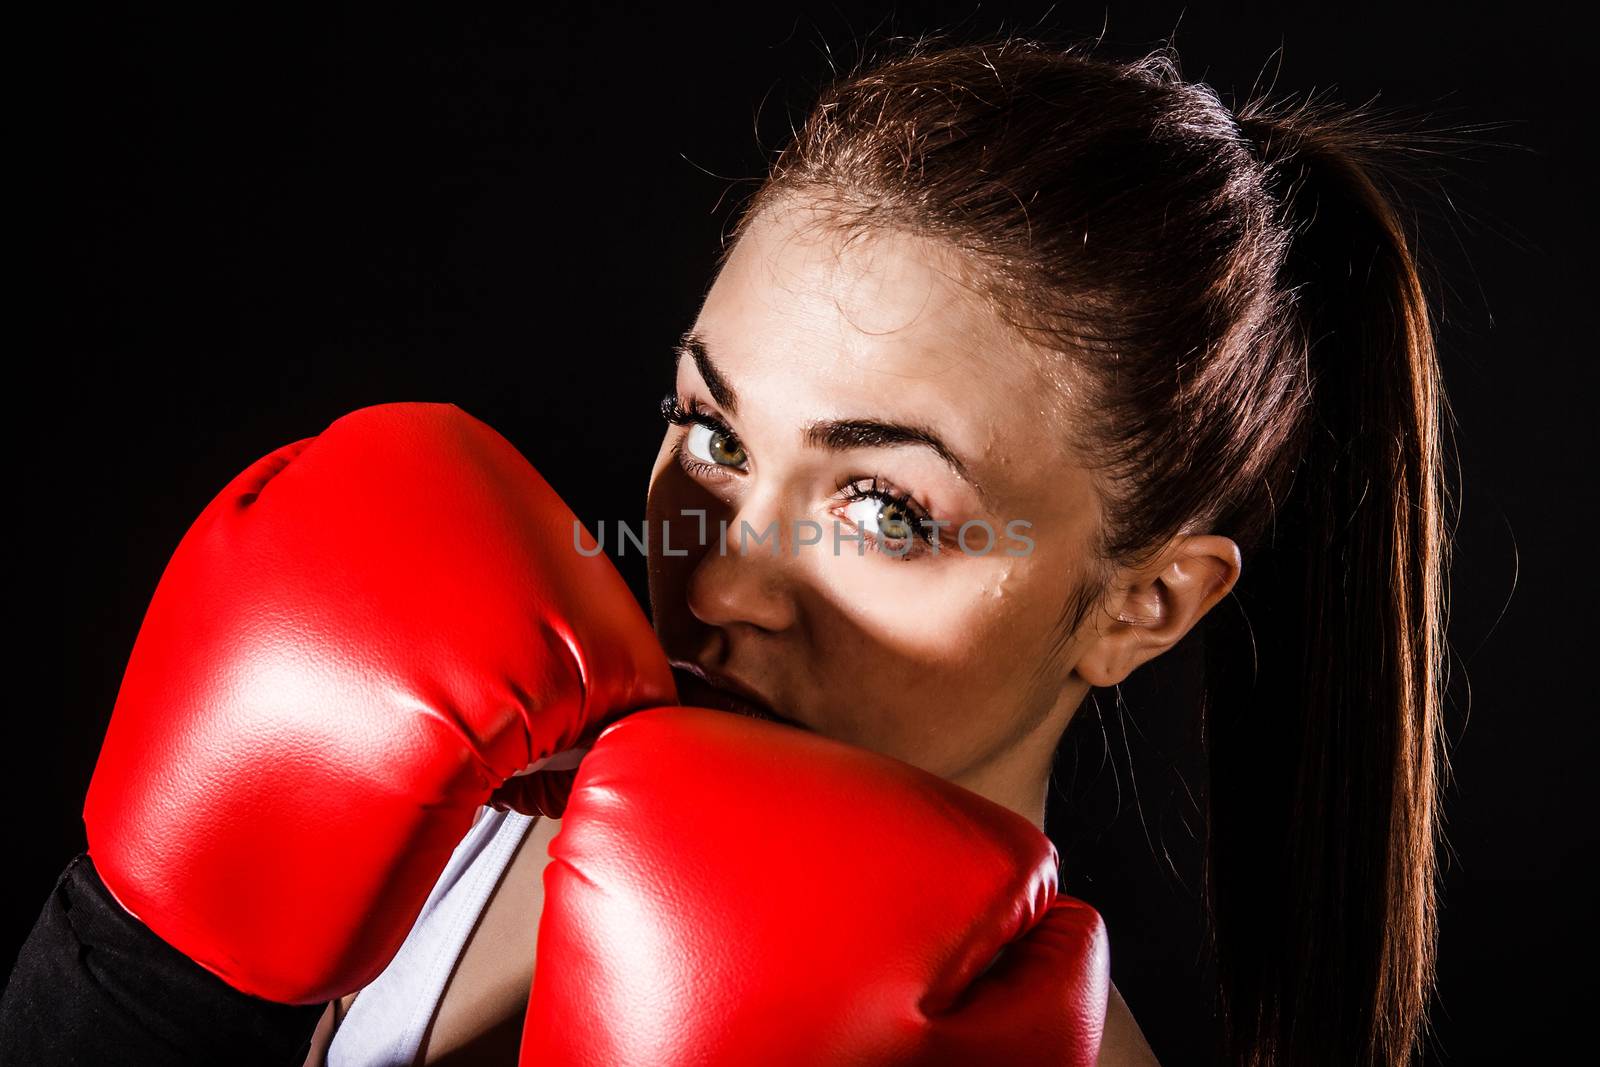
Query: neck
x=1018 y=780
x=1018 y=776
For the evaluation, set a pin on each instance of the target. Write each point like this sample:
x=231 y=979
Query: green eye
x=887 y=515
x=894 y=521
x=713 y=446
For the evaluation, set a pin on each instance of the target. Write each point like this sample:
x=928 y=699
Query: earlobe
x=1118 y=645
x=1102 y=668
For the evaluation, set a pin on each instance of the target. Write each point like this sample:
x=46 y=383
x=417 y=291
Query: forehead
x=877 y=322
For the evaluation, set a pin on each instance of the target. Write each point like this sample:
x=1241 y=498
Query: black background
x=254 y=223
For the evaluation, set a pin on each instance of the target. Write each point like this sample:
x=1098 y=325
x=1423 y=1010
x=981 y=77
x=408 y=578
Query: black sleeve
x=93 y=985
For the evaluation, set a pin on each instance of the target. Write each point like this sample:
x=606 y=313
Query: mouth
x=698 y=687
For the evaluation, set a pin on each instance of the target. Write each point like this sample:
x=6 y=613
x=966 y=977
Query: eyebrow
x=836 y=435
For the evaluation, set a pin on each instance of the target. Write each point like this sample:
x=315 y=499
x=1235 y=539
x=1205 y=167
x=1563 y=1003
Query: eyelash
x=876 y=488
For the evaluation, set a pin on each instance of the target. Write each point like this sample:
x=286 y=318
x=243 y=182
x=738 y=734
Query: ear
x=1157 y=605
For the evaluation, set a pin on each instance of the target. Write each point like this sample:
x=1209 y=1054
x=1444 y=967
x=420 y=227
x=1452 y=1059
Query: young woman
x=1058 y=359
x=1182 y=350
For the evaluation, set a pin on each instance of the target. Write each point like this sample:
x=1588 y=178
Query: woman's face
x=860 y=386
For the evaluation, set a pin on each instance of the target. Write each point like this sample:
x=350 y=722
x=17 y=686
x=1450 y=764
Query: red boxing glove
x=728 y=891
x=352 y=649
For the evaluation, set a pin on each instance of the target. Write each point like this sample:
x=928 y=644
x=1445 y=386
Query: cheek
x=932 y=658
x=939 y=615
x=950 y=671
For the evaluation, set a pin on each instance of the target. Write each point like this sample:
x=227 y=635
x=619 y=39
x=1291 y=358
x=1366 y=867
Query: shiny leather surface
x=731 y=891
x=356 y=644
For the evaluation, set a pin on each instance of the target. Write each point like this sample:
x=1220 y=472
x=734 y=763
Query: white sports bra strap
x=388 y=1018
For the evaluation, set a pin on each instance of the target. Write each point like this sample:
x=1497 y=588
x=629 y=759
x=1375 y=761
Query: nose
x=750 y=578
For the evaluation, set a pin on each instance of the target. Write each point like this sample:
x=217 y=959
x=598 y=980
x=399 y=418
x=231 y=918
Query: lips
x=698 y=687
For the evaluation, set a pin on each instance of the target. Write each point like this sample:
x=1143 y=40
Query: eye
x=887 y=521
x=891 y=521
x=711 y=445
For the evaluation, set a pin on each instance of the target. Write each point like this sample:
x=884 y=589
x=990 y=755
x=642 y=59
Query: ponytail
x=1324 y=689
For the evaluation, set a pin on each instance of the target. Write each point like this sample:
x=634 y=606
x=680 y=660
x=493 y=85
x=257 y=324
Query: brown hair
x=1240 y=295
